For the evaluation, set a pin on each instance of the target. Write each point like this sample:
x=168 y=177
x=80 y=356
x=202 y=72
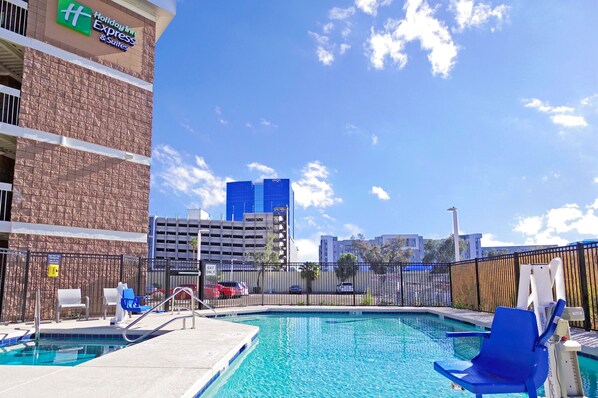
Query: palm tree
x=346 y=266
x=309 y=272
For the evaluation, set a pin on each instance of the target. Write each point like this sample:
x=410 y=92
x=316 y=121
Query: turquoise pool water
x=57 y=352
x=329 y=355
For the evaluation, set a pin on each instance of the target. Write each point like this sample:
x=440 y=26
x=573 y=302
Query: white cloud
x=267 y=123
x=346 y=31
x=313 y=189
x=559 y=115
x=324 y=48
x=190 y=179
x=490 y=240
x=220 y=117
x=419 y=24
x=184 y=123
x=469 y=14
x=249 y=125
x=570 y=220
x=595 y=180
x=371 y=6
x=344 y=48
x=328 y=27
x=380 y=193
x=569 y=120
x=268 y=172
x=308 y=249
x=374 y=139
x=351 y=230
x=341 y=13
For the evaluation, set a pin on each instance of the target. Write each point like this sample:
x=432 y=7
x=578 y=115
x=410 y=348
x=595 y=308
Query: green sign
x=74 y=16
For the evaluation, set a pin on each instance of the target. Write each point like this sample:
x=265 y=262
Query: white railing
x=5 y=201
x=13 y=16
x=10 y=100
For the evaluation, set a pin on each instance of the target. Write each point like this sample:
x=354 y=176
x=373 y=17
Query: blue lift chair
x=513 y=358
x=131 y=303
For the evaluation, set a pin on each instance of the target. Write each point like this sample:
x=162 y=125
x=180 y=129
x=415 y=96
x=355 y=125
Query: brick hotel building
x=76 y=88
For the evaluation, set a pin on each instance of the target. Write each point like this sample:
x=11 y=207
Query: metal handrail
x=183 y=317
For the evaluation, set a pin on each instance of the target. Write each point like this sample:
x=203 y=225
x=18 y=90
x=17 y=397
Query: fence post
x=25 y=285
x=402 y=286
x=517 y=271
x=139 y=277
x=354 y=285
x=263 y=287
x=167 y=285
x=450 y=272
x=122 y=271
x=202 y=282
x=583 y=280
x=477 y=284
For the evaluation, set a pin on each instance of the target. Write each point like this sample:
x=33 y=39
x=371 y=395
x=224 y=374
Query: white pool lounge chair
x=110 y=299
x=71 y=298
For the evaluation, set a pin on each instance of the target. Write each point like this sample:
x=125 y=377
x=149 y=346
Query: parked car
x=295 y=289
x=344 y=287
x=224 y=291
x=209 y=292
x=238 y=288
x=245 y=291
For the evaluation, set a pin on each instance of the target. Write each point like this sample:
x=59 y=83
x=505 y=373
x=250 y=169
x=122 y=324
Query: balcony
x=10 y=99
x=13 y=16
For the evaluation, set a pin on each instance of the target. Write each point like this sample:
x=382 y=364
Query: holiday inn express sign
x=83 y=19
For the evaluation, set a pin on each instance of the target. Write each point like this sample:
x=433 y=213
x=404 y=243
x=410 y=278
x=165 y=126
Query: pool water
x=342 y=355
x=57 y=352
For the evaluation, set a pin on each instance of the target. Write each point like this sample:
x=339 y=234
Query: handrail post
x=167 y=284
x=583 y=280
x=477 y=284
x=37 y=313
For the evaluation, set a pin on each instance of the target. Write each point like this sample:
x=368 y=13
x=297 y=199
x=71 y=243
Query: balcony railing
x=13 y=16
x=5 y=201
x=9 y=105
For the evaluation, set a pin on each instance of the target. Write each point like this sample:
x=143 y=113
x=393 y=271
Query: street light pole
x=455 y=233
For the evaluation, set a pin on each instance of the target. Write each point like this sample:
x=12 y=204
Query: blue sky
x=384 y=114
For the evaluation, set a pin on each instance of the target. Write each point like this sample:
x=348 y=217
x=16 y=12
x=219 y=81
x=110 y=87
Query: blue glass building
x=260 y=197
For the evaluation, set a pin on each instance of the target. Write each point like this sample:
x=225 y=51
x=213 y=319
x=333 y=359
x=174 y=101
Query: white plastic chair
x=110 y=299
x=71 y=298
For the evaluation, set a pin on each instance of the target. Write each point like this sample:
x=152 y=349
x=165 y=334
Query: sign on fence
x=210 y=269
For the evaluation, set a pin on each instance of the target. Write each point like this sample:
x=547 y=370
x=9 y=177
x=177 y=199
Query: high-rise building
x=76 y=90
x=267 y=196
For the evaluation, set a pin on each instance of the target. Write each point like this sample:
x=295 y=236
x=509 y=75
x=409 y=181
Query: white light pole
x=455 y=233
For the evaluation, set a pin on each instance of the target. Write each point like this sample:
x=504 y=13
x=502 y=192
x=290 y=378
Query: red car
x=208 y=291
x=225 y=291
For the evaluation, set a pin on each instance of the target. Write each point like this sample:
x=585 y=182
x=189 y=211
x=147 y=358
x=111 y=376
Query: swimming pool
x=343 y=355
x=49 y=352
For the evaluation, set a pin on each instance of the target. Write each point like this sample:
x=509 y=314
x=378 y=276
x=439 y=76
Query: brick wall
x=69 y=100
x=73 y=245
x=62 y=186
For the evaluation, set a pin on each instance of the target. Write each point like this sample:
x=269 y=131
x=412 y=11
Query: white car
x=344 y=287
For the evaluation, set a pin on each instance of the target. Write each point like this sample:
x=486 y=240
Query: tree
x=380 y=257
x=193 y=243
x=496 y=252
x=309 y=272
x=267 y=259
x=346 y=266
x=442 y=250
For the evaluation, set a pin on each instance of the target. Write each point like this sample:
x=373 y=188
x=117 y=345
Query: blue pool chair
x=513 y=358
x=131 y=303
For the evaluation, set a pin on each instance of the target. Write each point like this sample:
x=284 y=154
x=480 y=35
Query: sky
x=384 y=113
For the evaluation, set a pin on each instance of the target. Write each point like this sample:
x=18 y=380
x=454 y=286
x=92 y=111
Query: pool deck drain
x=180 y=363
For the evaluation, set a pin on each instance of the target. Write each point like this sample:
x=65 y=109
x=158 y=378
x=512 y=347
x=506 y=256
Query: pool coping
x=218 y=365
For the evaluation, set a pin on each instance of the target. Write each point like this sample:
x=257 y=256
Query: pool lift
x=564 y=378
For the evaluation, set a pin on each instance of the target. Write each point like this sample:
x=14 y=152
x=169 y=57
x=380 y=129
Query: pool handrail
x=183 y=317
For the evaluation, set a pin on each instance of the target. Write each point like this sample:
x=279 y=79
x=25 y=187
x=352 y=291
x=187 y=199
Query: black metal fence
x=22 y=273
x=483 y=284
x=273 y=284
x=480 y=284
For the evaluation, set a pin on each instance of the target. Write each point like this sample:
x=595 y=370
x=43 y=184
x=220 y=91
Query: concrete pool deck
x=178 y=363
